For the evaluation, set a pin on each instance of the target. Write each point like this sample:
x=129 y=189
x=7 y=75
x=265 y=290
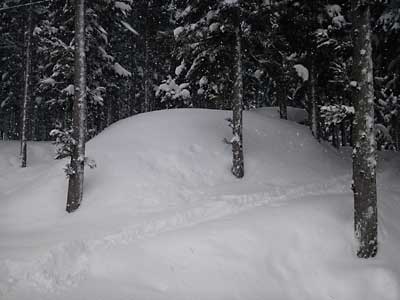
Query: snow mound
x=163 y=218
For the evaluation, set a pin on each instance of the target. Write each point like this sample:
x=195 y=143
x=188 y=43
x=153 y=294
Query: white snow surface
x=163 y=218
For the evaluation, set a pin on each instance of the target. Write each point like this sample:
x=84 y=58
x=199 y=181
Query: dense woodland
x=69 y=69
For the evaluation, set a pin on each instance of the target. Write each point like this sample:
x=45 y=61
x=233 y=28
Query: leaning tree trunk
x=27 y=95
x=364 y=149
x=75 y=187
x=237 y=120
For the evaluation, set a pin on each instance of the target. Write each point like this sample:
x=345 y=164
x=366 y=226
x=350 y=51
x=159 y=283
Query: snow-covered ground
x=163 y=218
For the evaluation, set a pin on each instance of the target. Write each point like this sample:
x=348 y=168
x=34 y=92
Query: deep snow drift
x=163 y=218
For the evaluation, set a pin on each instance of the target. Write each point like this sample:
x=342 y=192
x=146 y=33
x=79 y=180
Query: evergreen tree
x=387 y=68
x=11 y=74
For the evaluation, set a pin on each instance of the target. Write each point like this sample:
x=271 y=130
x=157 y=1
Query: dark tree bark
x=237 y=120
x=335 y=136
x=75 y=187
x=343 y=133
x=282 y=98
x=351 y=122
x=314 y=109
x=133 y=83
x=364 y=149
x=27 y=92
x=146 y=71
x=396 y=131
x=110 y=112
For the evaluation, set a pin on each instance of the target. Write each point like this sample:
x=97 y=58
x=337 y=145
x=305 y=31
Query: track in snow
x=67 y=264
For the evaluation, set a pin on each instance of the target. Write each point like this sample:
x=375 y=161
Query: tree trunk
x=314 y=116
x=237 y=120
x=75 y=187
x=146 y=71
x=132 y=85
x=351 y=122
x=27 y=92
x=343 y=133
x=364 y=150
x=282 y=99
x=335 y=136
x=109 y=112
x=395 y=132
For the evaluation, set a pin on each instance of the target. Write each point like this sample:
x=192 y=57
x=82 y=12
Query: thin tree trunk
x=132 y=83
x=314 y=105
x=146 y=71
x=395 y=132
x=343 y=133
x=27 y=92
x=282 y=99
x=109 y=111
x=352 y=131
x=282 y=89
x=132 y=99
x=75 y=188
x=135 y=104
x=364 y=150
x=237 y=120
x=335 y=136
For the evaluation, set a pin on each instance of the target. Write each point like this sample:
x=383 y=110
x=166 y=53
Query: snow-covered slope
x=163 y=218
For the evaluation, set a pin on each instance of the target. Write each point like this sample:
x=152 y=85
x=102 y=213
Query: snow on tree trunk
x=364 y=149
x=75 y=187
x=26 y=100
x=237 y=120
